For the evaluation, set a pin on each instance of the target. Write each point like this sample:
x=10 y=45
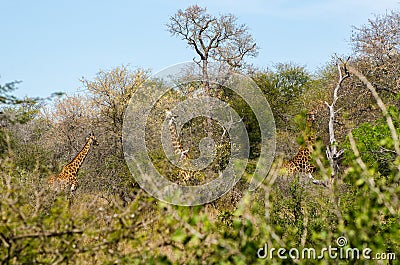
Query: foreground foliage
x=110 y=220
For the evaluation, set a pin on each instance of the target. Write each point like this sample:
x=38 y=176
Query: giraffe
x=185 y=175
x=68 y=175
x=301 y=162
x=176 y=143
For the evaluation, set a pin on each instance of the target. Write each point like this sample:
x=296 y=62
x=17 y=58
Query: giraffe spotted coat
x=67 y=178
x=302 y=161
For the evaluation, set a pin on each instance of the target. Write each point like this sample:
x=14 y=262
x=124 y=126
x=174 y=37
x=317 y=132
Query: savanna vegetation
x=110 y=220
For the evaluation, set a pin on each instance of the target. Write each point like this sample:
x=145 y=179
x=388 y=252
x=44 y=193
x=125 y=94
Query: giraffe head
x=93 y=138
x=170 y=117
x=311 y=116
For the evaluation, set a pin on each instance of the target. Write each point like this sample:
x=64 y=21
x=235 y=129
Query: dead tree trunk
x=332 y=152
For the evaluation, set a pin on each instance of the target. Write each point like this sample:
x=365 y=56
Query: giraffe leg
x=70 y=199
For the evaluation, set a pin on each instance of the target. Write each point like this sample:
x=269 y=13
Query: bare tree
x=332 y=153
x=376 y=46
x=213 y=38
x=379 y=39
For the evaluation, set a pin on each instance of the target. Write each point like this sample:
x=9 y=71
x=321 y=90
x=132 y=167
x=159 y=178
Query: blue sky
x=49 y=45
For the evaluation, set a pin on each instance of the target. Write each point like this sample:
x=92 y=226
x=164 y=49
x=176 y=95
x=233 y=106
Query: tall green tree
x=283 y=87
x=14 y=110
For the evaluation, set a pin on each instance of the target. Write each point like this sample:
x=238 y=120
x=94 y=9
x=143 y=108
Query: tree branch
x=381 y=105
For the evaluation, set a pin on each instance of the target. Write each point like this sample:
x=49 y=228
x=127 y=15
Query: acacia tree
x=213 y=38
x=13 y=112
x=376 y=46
x=111 y=92
x=71 y=119
x=13 y=109
x=379 y=39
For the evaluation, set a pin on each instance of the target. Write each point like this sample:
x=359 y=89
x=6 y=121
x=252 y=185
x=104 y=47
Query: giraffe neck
x=80 y=157
x=176 y=143
x=302 y=160
x=309 y=132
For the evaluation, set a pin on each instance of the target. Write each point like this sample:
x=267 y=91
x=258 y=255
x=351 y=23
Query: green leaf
x=179 y=235
x=360 y=182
